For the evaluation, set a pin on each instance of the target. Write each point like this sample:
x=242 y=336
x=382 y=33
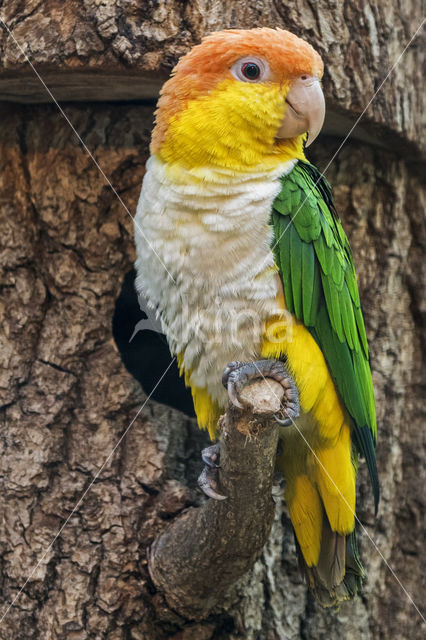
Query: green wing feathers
x=320 y=287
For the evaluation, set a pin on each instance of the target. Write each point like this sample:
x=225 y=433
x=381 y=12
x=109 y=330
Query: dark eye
x=250 y=70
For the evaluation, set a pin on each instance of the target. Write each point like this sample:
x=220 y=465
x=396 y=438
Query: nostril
x=304 y=77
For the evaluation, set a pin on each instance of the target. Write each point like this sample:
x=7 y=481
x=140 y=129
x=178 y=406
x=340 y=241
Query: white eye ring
x=243 y=65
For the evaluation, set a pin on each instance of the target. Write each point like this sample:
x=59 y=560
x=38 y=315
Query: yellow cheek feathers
x=233 y=126
x=202 y=69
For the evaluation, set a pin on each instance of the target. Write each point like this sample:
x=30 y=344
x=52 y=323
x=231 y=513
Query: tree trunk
x=67 y=399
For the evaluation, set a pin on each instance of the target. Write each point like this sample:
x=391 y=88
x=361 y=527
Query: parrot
x=241 y=254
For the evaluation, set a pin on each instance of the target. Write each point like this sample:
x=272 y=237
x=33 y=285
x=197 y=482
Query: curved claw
x=233 y=396
x=291 y=411
x=206 y=480
x=230 y=367
x=211 y=493
x=287 y=422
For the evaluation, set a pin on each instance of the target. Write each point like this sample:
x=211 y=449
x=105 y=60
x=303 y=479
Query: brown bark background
x=66 y=244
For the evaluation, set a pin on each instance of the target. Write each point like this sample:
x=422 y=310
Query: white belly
x=204 y=261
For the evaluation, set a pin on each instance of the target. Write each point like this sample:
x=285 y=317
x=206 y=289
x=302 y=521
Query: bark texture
x=66 y=398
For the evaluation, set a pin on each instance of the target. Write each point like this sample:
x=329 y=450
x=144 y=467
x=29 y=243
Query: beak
x=305 y=110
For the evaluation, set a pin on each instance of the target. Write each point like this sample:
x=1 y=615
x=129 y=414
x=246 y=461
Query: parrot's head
x=241 y=100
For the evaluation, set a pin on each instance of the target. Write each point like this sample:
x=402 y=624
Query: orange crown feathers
x=200 y=70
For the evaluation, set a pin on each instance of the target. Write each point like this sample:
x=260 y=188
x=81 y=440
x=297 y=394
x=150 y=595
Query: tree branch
x=202 y=553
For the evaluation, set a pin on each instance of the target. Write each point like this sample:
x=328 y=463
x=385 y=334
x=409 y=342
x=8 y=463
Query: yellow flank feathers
x=316 y=458
x=286 y=337
x=234 y=127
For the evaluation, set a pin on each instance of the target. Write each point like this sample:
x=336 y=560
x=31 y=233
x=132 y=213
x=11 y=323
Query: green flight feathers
x=315 y=262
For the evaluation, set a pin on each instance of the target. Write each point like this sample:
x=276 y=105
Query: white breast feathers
x=204 y=262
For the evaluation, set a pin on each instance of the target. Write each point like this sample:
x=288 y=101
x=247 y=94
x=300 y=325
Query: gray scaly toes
x=238 y=374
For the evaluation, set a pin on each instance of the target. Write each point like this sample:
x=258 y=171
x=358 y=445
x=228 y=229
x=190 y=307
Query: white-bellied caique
x=244 y=258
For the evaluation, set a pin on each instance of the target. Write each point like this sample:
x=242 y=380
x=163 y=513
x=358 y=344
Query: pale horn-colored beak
x=305 y=109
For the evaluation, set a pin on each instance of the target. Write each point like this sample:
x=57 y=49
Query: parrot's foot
x=208 y=479
x=238 y=374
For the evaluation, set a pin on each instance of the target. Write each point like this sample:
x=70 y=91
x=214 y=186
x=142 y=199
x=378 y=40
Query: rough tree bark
x=66 y=397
